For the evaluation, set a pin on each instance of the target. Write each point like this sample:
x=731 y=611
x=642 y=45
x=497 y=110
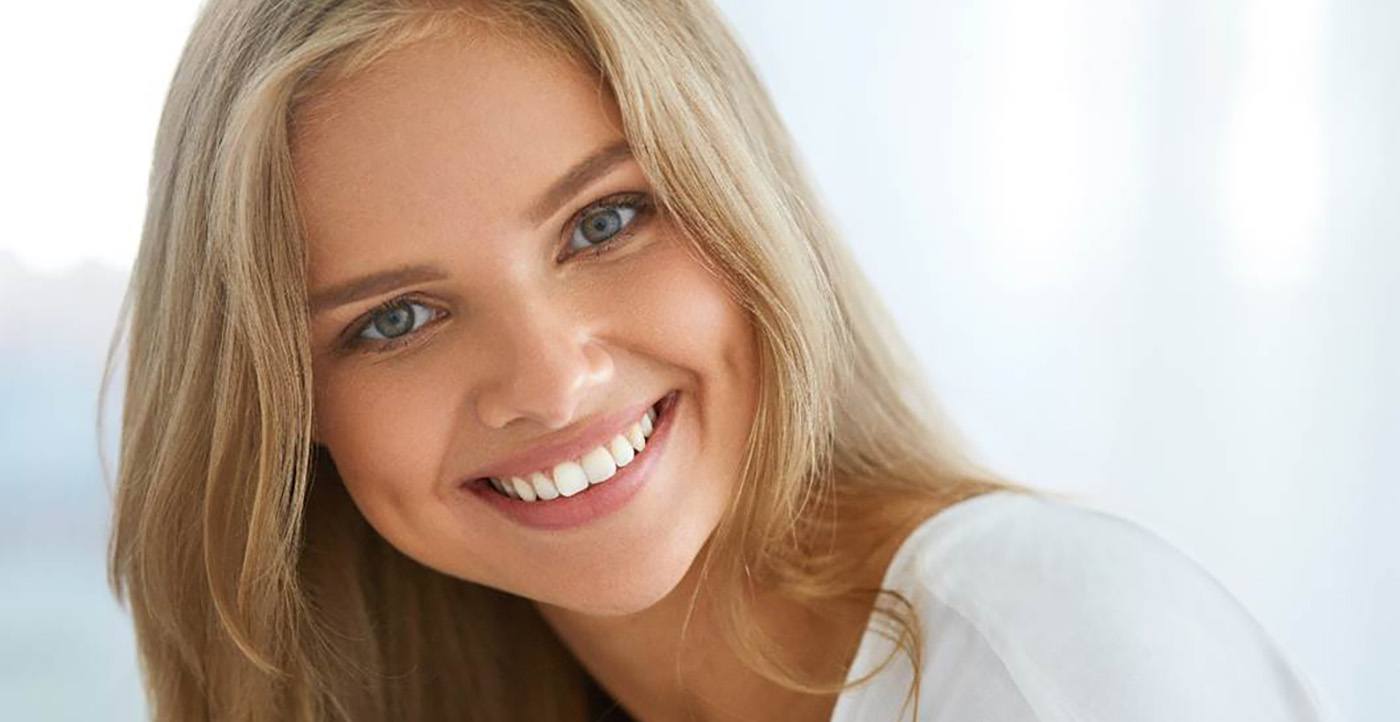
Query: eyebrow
x=567 y=186
x=372 y=285
x=584 y=172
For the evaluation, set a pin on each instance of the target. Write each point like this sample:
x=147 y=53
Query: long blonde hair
x=258 y=591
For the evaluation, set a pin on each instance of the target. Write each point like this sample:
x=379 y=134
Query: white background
x=1147 y=251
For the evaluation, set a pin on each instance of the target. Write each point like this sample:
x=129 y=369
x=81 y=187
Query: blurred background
x=1148 y=251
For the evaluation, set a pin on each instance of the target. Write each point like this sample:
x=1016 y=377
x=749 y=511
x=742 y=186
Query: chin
x=627 y=589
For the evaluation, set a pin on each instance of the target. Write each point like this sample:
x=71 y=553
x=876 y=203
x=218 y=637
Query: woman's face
x=493 y=296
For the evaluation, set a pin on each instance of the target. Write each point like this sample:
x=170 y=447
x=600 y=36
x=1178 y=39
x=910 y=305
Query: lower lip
x=593 y=503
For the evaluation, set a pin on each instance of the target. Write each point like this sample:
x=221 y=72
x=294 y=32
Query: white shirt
x=1037 y=610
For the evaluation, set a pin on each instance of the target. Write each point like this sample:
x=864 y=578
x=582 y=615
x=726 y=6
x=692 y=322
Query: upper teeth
x=593 y=467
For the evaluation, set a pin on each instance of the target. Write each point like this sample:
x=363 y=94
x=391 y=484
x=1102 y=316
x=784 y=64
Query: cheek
x=695 y=326
x=385 y=432
x=690 y=320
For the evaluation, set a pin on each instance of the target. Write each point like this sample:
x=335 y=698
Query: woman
x=494 y=361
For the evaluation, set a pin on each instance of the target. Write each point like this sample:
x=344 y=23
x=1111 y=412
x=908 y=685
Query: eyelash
x=640 y=203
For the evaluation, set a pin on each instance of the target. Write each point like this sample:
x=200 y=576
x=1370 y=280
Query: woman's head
x=549 y=304
x=279 y=470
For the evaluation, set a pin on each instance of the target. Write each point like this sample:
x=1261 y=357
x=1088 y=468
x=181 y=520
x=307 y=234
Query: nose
x=546 y=362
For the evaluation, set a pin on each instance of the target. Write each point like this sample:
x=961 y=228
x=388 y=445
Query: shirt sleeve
x=1091 y=617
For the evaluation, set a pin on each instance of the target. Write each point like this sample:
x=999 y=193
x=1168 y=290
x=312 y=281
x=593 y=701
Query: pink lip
x=598 y=500
x=545 y=456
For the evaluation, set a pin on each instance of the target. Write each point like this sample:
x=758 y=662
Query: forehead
x=456 y=133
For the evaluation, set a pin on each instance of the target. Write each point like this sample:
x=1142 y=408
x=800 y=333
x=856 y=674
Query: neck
x=644 y=663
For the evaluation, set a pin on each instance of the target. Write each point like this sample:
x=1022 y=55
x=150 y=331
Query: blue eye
x=597 y=227
x=394 y=320
x=602 y=223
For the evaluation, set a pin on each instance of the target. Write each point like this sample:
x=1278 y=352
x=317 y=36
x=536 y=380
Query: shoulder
x=1088 y=615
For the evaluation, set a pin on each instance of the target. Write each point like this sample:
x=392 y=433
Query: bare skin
x=443 y=156
x=635 y=656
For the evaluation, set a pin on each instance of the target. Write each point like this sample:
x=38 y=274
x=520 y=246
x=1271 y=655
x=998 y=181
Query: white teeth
x=621 y=451
x=544 y=487
x=635 y=437
x=523 y=488
x=598 y=464
x=570 y=478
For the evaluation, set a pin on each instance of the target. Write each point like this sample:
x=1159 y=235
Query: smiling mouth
x=593 y=467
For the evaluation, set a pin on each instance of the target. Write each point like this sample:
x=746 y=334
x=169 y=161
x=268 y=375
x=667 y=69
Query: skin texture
x=434 y=156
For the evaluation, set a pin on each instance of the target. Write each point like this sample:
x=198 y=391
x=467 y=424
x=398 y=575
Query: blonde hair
x=258 y=591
